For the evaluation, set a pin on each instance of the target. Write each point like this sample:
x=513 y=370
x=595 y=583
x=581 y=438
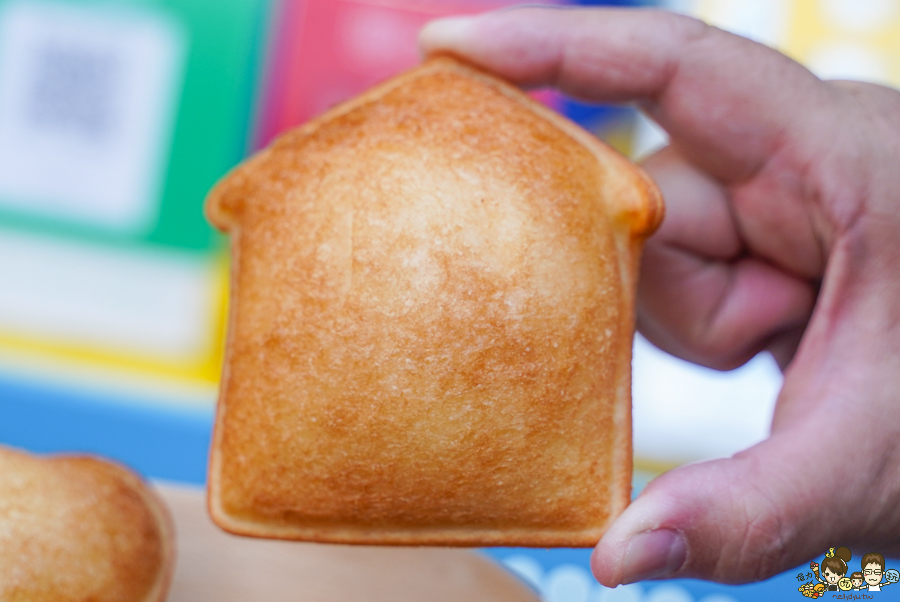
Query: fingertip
x=730 y=520
x=604 y=566
x=656 y=554
x=640 y=545
x=449 y=34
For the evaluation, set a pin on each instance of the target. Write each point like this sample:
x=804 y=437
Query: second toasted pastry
x=77 y=528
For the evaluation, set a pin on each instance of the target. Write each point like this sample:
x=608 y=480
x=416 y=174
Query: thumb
x=826 y=476
x=732 y=520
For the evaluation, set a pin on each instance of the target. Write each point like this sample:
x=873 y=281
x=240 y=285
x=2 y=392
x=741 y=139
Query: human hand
x=783 y=220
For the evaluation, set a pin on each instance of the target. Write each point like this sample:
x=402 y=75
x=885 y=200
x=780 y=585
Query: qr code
x=74 y=88
x=87 y=105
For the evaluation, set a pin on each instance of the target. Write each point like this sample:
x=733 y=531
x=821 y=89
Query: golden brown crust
x=75 y=528
x=431 y=323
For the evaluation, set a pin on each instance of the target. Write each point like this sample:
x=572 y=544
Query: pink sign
x=327 y=51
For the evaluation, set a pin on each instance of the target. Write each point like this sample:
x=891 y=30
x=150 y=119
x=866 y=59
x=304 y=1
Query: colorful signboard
x=116 y=117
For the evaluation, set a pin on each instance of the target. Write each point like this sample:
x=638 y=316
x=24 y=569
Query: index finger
x=722 y=98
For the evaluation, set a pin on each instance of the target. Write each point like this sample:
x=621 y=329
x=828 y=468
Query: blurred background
x=116 y=117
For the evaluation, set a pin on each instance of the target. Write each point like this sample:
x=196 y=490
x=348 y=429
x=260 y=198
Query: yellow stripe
x=205 y=367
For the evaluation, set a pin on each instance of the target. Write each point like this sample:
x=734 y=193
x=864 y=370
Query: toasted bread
x=75 y=528
x=431 y=323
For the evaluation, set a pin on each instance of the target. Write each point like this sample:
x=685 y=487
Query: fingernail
x=653 y=554
x=446 y=33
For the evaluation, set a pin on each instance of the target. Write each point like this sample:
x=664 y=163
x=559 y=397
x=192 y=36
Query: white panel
x=760 y=20
x=140 y=302
x=684 y=413
x=860 y=15
x=831 y=60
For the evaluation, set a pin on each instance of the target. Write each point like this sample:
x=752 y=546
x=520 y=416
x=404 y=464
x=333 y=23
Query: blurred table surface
x=215 y=566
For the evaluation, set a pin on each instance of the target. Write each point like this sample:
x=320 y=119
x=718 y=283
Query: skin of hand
x=782 y=233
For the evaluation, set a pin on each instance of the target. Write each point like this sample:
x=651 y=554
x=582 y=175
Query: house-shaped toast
x=431 y=323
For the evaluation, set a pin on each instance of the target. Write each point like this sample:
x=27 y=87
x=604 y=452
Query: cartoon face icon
x=892 y=575
x=844 y=584
x=831 y=577
x=872 y=573
x=857 y=582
